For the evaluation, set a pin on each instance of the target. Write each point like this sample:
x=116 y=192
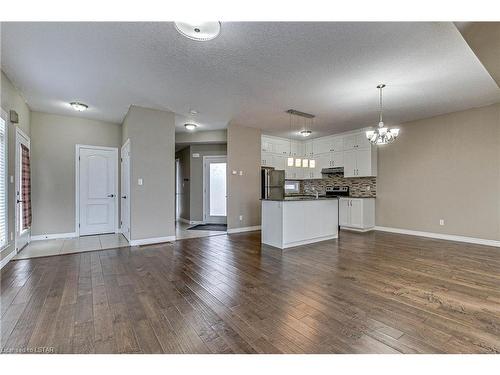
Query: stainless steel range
x=337 y=191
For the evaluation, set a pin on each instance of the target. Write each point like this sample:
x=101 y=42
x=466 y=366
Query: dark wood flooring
x=365 y=293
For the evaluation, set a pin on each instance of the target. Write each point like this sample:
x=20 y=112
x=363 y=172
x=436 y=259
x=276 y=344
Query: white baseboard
x=439 y=236
x=54 y=236
x=358 y=229
x=243 y=229
x=6 y=260
x=309 y=241
x=150 y=241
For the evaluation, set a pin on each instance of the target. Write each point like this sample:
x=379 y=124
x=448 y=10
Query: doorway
x=214 y=190
x=96 y=190
x=23 y=191
x=125 y=190
x=178 y=189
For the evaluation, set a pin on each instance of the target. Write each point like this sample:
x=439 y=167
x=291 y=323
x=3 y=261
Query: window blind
x=3 y=183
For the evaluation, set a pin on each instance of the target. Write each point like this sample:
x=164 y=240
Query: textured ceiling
x=250 y=74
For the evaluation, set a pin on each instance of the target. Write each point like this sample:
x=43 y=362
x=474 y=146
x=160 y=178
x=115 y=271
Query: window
x=3 y=182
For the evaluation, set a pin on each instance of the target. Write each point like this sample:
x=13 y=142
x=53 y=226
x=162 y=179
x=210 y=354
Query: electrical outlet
x=241 y=217
x=441 y=221
x=139 y=181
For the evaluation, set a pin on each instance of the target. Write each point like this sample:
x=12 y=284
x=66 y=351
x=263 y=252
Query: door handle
x=124 y=197
x=111 y=195
x=20 y=201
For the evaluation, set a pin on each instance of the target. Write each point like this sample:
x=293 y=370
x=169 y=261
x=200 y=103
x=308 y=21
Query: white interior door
x=214 y=188
x=23 y=190
x=98 y=180
x=125 y=190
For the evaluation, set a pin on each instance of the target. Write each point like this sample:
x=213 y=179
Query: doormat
x=221 y=227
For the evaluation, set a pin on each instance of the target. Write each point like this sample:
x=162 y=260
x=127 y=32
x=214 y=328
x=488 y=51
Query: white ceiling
x=250 y=74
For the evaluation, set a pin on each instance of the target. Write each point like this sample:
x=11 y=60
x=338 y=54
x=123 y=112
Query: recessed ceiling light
x=305 y=133
x=201 y=31
x=190 y=127
x=80 y=107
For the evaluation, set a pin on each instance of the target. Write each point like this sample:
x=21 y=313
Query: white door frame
x=19 y=135
x=77 y=185
x=126 y=144
x=206 y=158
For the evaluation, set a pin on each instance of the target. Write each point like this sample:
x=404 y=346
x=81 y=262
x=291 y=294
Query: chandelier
x=382 y=135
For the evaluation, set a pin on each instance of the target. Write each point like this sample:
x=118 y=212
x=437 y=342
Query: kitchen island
x=295 y=221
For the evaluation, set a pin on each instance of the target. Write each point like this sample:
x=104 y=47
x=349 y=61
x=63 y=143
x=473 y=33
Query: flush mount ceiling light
x=305 y=133
x=382 y=135
x=200 y=31
x=190 y=127
x=80 y=107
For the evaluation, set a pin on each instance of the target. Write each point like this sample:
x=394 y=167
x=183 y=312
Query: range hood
x=335 y=170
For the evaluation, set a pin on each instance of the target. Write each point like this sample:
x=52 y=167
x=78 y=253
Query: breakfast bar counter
x=293 y=222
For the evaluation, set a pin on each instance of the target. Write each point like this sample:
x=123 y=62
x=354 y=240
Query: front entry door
x=97 y=190
x=214 y=181
x=125 y=190
x=23 y=190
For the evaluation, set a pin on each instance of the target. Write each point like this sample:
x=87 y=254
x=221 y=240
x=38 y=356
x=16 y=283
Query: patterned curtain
x=26 y=187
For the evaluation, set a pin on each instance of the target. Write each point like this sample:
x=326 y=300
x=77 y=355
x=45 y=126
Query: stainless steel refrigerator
x=272 y=184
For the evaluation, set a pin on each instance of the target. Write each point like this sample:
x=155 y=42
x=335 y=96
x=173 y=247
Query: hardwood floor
x=365 y=293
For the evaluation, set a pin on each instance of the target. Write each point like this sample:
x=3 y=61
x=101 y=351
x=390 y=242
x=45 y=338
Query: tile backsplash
x=361 y=187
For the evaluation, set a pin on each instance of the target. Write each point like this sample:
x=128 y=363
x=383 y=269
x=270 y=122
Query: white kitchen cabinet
x=360 y=162
x=356 y=141
x=266 y=159
x=357 y=213
x=266 y=144
x=291 y=223
x=327 y=144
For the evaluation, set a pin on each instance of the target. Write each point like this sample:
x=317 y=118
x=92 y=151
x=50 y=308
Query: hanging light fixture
x=382 y=135
x=312 y=162
x=305 y=161
x=290 y=161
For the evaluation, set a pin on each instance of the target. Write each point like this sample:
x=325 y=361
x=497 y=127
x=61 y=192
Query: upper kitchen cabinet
x=356 y=141
x=266 y=144
x=326 y=144
x=360 y=162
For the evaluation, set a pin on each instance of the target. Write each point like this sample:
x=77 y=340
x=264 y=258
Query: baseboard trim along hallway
x=243 y=229
x=6 y=260
x=440 y=236
x=54 y=236
x=151 y=241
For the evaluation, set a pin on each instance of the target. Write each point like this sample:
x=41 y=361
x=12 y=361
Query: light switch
x=241 y=173
x=11 y=179
x=234 y=172
x=139 y=181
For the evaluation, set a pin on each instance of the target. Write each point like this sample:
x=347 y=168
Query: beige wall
x=152 y=146
x=196 y=177
x=53 y=140
x=243 y=154
x=184 y=157
x=11 y=98
x=445 y=167
x=209 y=136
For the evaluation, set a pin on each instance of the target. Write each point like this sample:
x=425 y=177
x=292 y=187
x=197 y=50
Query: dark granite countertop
x=294 y=198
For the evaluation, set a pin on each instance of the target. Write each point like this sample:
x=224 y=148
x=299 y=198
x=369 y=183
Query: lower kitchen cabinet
x=357 y=213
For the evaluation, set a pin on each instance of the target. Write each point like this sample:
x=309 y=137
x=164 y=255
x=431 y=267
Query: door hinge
x=79 y=159
x=121 y=223
x=78 y=225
